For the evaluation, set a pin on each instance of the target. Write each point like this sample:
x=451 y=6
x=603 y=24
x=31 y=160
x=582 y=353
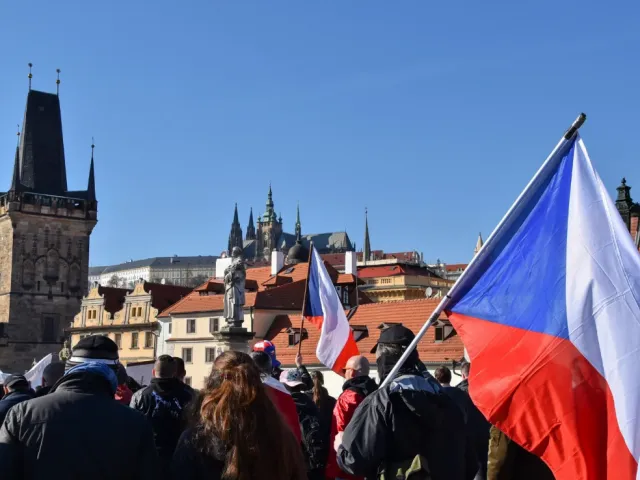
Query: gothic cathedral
x=44 y=240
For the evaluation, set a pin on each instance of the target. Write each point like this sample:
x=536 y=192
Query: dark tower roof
x=298 y=225
x=270 y=213
x=16 y=186
x=251 y=229
x=366 y=250
x=42 y=164
x=235 y=236
x=91 y=186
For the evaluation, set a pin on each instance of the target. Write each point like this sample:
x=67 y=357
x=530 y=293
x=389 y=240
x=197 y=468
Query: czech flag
x=549 y=312
x=324 y=309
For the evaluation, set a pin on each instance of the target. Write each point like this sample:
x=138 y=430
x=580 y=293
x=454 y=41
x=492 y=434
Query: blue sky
x=434 y=115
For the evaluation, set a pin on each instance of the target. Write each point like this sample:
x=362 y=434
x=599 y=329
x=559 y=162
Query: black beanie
x=95 y=348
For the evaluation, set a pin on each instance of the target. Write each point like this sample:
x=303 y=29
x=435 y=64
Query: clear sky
x=433 y=115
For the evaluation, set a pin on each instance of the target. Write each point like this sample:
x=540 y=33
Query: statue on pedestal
x=65 y=353
x=234 y=298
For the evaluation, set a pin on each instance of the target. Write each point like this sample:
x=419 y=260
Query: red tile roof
x=395 y=270
x=411 y=313
x=196 y=302
x=453 y=267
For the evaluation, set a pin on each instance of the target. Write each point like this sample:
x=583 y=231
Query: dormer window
x=294 y=336
x=359 y=332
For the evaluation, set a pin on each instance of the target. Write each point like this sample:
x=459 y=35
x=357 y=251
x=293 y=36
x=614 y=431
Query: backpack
x=315 y=446
x=414 y=469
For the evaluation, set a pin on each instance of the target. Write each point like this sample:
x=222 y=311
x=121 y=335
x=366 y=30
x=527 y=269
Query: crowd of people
x=252 y=420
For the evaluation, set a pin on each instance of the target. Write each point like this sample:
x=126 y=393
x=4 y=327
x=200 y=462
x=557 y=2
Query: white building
x=186 y=271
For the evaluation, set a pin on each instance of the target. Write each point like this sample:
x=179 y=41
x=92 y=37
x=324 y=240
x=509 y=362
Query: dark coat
x=408 y=417
x=190 y=463
x=11 y=399
x=77 y=431
x=163 y=403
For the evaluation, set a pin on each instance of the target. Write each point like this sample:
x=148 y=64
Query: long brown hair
x=320 y=394
x=237 y=411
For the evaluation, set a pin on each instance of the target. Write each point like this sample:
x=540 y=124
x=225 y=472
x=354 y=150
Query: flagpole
x=567 y=137
x=304 y=298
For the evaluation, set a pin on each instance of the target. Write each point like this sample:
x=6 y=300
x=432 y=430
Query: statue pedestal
x=234 y=338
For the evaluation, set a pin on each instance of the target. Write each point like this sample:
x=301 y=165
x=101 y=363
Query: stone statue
x=234 y=279
x=65 y=353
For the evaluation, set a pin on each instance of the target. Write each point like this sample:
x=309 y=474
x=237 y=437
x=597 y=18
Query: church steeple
x=270 y=214
x=366 y=250
x=91 y=186
x=624 y=202
x=479 y=244
x=235 y=236
x=251 y=229
x=298 y=225
x=16 y=186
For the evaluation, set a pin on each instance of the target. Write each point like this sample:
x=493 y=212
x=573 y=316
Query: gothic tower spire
x=16 y=186
x=624 y=202
x=251 y=229
x=366 y=250
x=298 y=225
x=479 y=244
x=270 y=214
x=91 y=185
x=235 y=236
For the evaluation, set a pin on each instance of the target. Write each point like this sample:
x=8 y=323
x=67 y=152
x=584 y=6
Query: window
x=134 y=339
x=210 y=355
x=61 y=287
x=187 y=355
x=49 y=329
x=38 y=285
x=139 y=311
x=359 y=332
x=439 y=331
x=170 y=326
x=187 y=380
x=294 y=336
x=191 y=325
x=133 y=311
x=214 y=325
x=148 y=340
x=118 y=339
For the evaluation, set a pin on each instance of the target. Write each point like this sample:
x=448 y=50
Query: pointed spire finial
x=479 y=244
x=30 y=76
x=58 y=82
x=366 y=250
x=91 y=184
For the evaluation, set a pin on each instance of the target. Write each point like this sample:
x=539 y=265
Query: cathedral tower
x=269 y=229
x=44 y=247
x=235 y=236
x=251 y=229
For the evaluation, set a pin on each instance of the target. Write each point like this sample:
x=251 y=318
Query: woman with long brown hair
x=238 y=433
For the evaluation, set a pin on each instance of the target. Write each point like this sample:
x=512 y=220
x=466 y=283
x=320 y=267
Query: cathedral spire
x=298 y=224
x=235 y=236
x=251 y=229
x=91 y=186
x=366 y=250
x=479 y=244
x=270 y=214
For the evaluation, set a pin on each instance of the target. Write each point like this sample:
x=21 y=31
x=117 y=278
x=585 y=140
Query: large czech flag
x=324 y=309
x=549 y=314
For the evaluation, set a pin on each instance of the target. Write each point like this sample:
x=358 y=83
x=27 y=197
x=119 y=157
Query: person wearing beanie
x=16 y=390
x=123 y=392
x=78 y=430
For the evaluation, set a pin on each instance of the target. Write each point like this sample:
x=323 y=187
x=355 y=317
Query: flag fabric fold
x=324 y=309
x=550 y=318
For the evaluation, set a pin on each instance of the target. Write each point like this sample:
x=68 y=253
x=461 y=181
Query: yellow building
x=128 y=317
x=393 y=282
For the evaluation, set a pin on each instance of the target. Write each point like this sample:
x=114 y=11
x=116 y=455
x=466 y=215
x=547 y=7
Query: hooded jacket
x=354 y=391
x=410 y=416
x=163 y=403
x=75 y=432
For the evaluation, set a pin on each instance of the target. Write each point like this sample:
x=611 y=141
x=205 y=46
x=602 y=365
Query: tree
x=114 y=281
x=196 y=281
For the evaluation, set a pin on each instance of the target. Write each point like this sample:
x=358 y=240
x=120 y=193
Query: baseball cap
x=270 y=349
x=291 y=377
x=15 y=381
x=395 y=335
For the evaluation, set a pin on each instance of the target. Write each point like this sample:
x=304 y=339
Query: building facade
x=128 y=317
x=44 y=232
x=401 y=281
x=176 y=270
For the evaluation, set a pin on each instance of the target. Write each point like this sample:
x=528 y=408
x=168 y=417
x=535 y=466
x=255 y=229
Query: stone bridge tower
x=44 y=240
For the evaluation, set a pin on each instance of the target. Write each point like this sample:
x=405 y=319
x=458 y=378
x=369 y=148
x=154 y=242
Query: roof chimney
x=277 y=262
x=351 y=263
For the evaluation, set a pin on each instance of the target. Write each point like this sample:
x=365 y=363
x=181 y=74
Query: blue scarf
x=99 y=368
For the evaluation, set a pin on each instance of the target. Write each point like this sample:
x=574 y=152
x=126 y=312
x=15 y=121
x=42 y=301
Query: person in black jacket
x=51 y=374
x=181 y=373
x=315 y=445
x=163 y=403
x=78 y=430
x=411 y=418
x=16 y=390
